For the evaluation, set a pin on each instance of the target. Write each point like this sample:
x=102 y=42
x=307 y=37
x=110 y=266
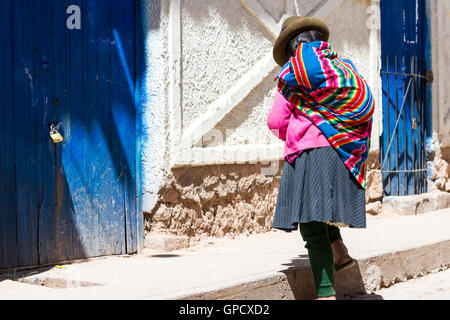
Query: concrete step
x=273 y=265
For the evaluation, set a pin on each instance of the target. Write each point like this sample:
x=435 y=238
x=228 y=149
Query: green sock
x=321 y=258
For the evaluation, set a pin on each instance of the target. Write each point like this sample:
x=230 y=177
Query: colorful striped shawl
x=333 y=95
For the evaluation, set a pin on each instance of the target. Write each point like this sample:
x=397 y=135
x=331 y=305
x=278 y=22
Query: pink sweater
x=297 y=131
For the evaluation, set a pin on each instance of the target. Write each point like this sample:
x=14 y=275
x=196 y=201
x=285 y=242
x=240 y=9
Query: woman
x=323 y=111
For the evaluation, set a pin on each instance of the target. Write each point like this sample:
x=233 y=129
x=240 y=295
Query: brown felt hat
x=292 y=26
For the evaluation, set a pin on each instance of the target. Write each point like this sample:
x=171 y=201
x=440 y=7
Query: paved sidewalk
x=431 y=287
x=262 y=262
x=435 y=286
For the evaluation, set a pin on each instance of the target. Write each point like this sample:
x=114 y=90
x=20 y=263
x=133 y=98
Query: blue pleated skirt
x=318 y=187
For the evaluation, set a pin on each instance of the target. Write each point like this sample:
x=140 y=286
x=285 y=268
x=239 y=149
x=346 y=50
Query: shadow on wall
x=348 y=283
x=77 y=198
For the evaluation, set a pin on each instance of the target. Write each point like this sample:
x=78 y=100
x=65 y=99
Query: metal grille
x=403 y=163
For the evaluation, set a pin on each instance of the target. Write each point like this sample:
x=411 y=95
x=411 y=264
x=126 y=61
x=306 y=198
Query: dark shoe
x=343 y=266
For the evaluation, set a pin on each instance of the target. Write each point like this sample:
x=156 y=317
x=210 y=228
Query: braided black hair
x=304 y=36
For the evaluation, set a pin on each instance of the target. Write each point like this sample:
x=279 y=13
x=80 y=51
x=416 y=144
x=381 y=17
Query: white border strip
x=261 y=16
x=239 y=154
x=175 y=56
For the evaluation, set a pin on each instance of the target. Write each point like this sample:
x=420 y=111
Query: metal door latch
x=414 y=123
x=54 y=133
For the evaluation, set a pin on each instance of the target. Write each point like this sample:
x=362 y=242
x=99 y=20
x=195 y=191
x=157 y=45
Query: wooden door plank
x=123 y=113
x=58 y=219
x=28 y=115
x=138 y=80
x=74 y=152
x=47 y=210
x=64 y=211
x=8 y=218
x=89 y=229
x=98 y=95
x=117 y=117
x=48 y=233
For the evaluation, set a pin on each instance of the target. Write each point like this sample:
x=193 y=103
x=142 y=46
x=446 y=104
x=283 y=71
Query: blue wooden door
x=403 y=72
x=67 y=62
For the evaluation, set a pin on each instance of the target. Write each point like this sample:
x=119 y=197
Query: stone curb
x=368 y=275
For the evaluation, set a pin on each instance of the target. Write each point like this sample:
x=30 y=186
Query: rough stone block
x=374 y=190
x=416 y=204
x=373 y=208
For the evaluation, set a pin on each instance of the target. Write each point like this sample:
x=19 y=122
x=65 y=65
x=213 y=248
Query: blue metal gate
x=403 y=41
x=72 y=63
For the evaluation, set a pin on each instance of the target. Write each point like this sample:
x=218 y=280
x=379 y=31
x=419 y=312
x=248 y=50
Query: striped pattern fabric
x=334 y=96
x=318 y=187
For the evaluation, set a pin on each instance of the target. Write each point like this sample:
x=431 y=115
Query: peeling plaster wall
x=438 y=146
x=439 y=16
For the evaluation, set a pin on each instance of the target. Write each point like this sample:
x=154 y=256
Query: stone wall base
x=197 y=204
x=221 y=201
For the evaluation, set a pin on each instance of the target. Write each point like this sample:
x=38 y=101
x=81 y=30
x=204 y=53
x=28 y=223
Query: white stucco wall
x=245 y=124
x=218 y=47
x=439 y=17
x=155 y=118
